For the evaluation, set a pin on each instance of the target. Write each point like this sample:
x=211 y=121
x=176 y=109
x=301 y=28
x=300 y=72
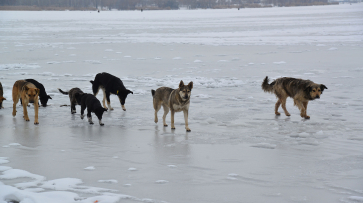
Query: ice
x=238 y=150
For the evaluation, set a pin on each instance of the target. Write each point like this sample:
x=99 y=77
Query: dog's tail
x=267 y=87
x=153 y=92
x=66 y=93
x=91 y=81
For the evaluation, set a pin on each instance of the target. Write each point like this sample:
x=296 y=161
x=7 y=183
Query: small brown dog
x=302 y=91
x=1 y=96
x=28 y=94
x=174 y=99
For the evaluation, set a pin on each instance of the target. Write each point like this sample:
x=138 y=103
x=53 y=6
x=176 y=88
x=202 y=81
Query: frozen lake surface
x=237 y=150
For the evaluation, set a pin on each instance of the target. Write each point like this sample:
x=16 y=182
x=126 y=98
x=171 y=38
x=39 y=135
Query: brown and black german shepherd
x=28 y=94
x=302 y=91
x=174 y=99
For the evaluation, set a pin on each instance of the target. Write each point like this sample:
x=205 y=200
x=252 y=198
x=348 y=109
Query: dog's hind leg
x=277 y=105
x=15 y=100
x=83 y=107
x=104 y=99
x=283 y=105
x=89 y=116
x=157 y=107
x=166 y=111
x=73 y=107
x=186 y=120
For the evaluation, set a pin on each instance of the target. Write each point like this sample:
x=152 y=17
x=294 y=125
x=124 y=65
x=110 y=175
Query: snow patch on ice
x=161 y=181
x=264 y=145
x=18 y=66
x=90 y=168
x=279 y=62
x=108 y=181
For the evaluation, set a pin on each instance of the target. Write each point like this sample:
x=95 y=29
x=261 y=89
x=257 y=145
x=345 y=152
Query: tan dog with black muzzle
x=28 y=94
x=175 y=100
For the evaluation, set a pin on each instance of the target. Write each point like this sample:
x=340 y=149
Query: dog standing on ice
x=92 y=104
x=174 y=99
x=302 y=91
x=75 y=96
x=110 y=85
x=1 y=96
x=28 y=93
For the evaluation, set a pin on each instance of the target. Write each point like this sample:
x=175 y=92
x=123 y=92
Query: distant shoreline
x=37 y=8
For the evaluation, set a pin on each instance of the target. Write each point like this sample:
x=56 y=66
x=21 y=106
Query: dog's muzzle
x=317 y=97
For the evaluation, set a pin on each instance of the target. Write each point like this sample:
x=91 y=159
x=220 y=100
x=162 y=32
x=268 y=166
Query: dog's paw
x=82 y=116
x=14 y=114
x=173 y=128
x=102 y=124
x=26 y=119
x=277 y=113
x=165 y=125
x=188 y=129
x=36 y=123
x=288 y=114
x=307 y=117
x=91 y=123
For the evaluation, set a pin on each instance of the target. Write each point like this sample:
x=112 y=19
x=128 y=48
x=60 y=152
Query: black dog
x=43 y=97
x=92 y=104
x=110 y=85
x=75 y=96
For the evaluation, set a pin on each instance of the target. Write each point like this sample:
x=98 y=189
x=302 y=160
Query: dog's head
x=122 y=95
x=44 y=100
x=78 y=96
x=314 y=91
x=185 y=90
x=99 y=112
x=31 y=93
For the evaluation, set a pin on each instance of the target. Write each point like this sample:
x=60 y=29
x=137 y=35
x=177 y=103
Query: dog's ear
x=308 y=89
x=190 y=85
x=128 y=92
x=49 y=97
x=26 y=88
x=37 y=91
x=322 y=87
x=181 y=84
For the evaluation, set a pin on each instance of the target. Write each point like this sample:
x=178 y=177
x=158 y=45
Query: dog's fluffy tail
x=91 y=81
x=66 y=93
x=153 y=92
x=267 y=87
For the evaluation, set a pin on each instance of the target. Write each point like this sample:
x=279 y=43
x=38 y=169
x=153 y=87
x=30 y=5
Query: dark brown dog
x=1 y=96
x=28 y=94
x=174 y=99
x=302 y=91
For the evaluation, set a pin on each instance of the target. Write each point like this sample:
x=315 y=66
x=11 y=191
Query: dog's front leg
x=36 y=109
x=104 y=99
x=306 y=109
x=16 y=100
x=25 y=111
x=172 y=112
x=301 y=107
x=73 y=107
x=89 y=117
x=185 y=111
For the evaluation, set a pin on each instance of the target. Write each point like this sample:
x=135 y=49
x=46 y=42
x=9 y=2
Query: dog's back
x=286 y=85
x=161 y=96
x=43 y=97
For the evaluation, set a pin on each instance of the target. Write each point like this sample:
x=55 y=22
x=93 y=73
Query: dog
x=43 y=97
x=29 y=93
x=2 y=98
x=92 y=104
x=110 y=85
x=302 y=91
x=174 y=99
x=75 y=96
